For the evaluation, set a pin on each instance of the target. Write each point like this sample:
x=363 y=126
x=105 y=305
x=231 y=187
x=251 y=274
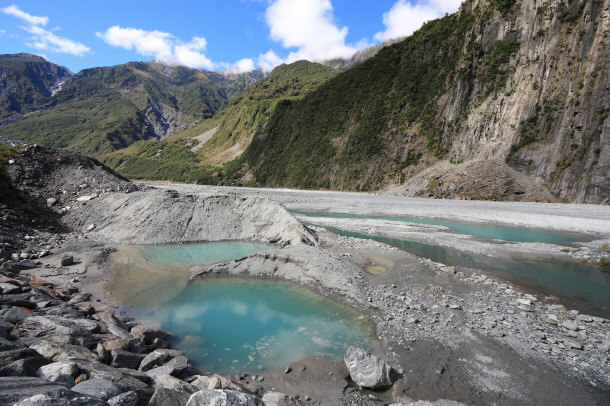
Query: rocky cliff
x=521 y=84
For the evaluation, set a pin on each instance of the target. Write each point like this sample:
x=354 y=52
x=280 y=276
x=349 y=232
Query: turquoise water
x=231 y=326
x=200 y=254
x=580 y=286
x=476 y=230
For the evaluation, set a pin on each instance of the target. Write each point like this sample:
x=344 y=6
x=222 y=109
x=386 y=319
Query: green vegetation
x=104 y=109
x=181 y=157
x=493 y=72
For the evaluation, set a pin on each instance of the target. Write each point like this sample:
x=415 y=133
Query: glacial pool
x=227 y=325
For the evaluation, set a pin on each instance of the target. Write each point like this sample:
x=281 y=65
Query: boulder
x=158 y=358
x=6 y=345
x=54 y=328
x=280 y=399
x=148 y=334
x=64 y=400
x=26 y=264
x=223 y=397
x=168 y=397
x=23 y=367
x=67 y=399
x=367 y=370
x=62 y=373
x=5 y=328
x=16 y=314
x=9 y=288
x=14 y=389
x=174 y=367
x=124 y=399
x=207 y=382
x=125 y=359
x=62 y=351
x=99 y=388
x=169 y=382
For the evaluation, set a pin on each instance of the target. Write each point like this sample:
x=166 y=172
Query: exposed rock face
x=367 y=370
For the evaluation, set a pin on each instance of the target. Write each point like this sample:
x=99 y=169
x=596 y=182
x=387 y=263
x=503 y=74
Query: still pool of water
x=488 y=231
x=583 y=287
x=231 y=326
x=227 y=325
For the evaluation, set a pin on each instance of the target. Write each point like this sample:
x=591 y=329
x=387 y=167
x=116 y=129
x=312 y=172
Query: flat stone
x=26 y=264
x=569 y=325
x=9 y=288
x=573 y=344
x=170 y=382
x=223 y=397
x=174 y=367
x=99 y=388
x=14 y=389
x=158 y=358
x=68 y=399
x=54 y=328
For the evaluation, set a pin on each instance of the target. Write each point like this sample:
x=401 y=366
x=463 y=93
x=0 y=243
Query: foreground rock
x=367 y=370
x=220 y=397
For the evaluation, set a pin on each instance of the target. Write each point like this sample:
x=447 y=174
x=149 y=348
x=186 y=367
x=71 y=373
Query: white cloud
x=163 y=46
x=43 y=39
x=243 y=65
x=47 y=41
x=22 y=15
x=404 y=18
x=309 y=26
x=269 y=60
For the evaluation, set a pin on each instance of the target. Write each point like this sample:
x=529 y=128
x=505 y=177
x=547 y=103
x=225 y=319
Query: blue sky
x=237 y=35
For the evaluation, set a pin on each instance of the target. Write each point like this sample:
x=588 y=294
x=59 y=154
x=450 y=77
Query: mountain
x=207 y=152
x=503 y=100
x=26 y=81
x=103 y=109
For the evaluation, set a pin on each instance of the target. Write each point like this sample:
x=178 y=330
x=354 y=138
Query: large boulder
x=15 y=389
x=223 y=397
x=55 y=328
x=62 y=373
x=158 y=358
x=170 y=382
x=168 y=397
x=125 y=359
x=174 y=367
x=99 y=388
x=62 y=400
x=367 y=370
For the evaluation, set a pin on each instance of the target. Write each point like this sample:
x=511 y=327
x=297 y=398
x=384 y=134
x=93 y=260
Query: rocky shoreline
x=458 y=333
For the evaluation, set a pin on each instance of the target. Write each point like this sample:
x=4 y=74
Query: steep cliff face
x=549 y=122
x=523 y=84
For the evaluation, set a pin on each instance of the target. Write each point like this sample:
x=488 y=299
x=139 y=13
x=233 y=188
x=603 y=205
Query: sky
x=234 y=35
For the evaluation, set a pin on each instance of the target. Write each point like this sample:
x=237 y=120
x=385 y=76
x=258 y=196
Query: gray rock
x=51 y=201
x=119 y=377
x=54 y=328
x=15 y=389
x=66 y=260
x=207 y=382
x=16 y=314
x=62 y=351
x=174 y=367
x=158 y=358
x=223 y=397
x=170 y=382
x=62 y=400
x=6 y=345
x=168 y=397
x=5 y=328
x=124 y=399
x=148 y=334
x=367 y=370
x=99 y=388
x=26 y=264
x=23 y=367
x=62 y=373
x=9 y=288
x=280 y=399
x=125 y=359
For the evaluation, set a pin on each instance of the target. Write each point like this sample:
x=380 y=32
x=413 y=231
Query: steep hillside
x=26 y=83
x=103 y=109
x=519 y=83
x=201 y=152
